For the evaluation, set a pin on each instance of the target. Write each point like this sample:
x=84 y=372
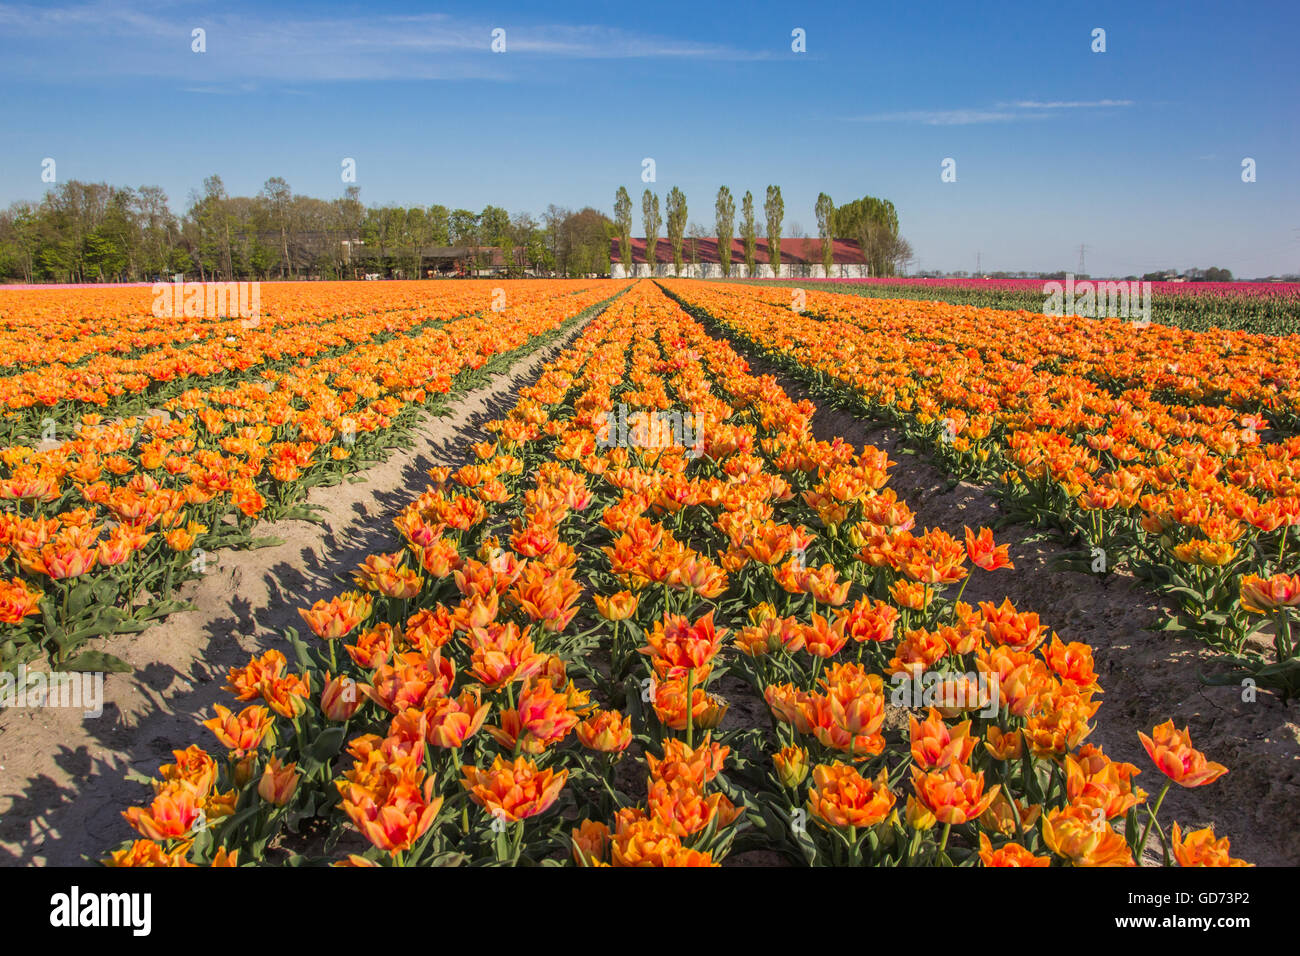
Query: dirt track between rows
x=63 y=781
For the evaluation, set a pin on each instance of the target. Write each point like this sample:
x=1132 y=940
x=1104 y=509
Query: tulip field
x=1265 y=307
x=1167 y=452
x=647 y=618
x=133 y=453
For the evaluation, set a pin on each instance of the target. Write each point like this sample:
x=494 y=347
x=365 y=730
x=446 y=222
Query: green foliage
x=748 y=231
x=651 y=219
x=724 y=209
x=623 y=217
x=774 y=209
x=676 y=209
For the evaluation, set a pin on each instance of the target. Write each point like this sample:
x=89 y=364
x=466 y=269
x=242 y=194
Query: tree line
x=96 y=232
x=871 y=222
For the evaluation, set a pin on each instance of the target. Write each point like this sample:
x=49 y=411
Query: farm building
x=800 y=258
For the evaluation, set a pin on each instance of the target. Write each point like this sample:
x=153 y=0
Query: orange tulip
x=954 y=795
x=1009 y=854
x=680 y=646
x=639 y=841
x=171 y=815
x=279 y=782
x=452 y=721
x=606 y=731
x=935 y=744
x=682 y=808
x=338 y=616
x=541 y=718
x=244 y=682
x=18 y=601
x=340 y=697
x=193 y=768
x=1266 y=595
x=397 y=812
x=1082 y=836
x=1200 y=848
x=841 y=797
x=242 y=732
x=513 y=791
x=590 y=843
x=616 y=607
x=982 y=552
x=1172 y=753
x=697 y=766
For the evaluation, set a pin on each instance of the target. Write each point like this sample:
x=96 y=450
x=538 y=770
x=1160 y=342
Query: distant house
x=464 y=260
x=800 y=258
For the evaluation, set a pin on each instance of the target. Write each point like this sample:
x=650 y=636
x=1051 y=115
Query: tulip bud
x=243 y=769
x=713 y=713
x=918 y=816
x=340 y=698
x=279 y=782
x=617 y=607
x=791 y=765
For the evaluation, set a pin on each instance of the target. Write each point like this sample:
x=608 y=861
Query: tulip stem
x=1282 y=638
x=912 y=847
x=1151 y=818
x=960 y=592
x=943 y=841
x=690 y=710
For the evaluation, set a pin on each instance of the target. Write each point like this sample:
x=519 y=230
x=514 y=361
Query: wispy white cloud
x=1068 y=104
x=1017 y=111
x=941 y=117
x=97 y=39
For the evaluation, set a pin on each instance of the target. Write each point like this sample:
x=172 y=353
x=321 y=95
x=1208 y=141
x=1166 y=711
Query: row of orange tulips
x=539 y=672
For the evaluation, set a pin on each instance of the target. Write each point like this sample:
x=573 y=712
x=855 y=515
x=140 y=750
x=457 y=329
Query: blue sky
x=1135 y=152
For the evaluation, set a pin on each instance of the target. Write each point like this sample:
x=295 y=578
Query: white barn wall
x=713 y=270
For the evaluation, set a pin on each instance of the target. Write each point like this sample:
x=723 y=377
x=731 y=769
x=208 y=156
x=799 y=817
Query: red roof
x=844 y=251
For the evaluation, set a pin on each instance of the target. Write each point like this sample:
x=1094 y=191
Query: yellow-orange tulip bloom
x=841 y=797
x=1082 y=835
x=279 y=782
x=1266 y=595
x=242 y=732
x=791 y=766
x=606 y=731
x=1009 y=854
x=954 y=795
x=616 y=607
x=1200 y=848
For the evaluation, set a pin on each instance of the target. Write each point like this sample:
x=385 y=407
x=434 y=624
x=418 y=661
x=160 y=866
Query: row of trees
x=1212 y=274
x=872 y=222
x=95 y=232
